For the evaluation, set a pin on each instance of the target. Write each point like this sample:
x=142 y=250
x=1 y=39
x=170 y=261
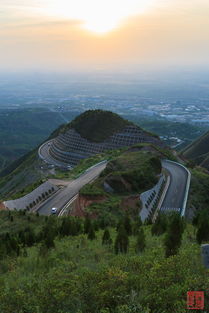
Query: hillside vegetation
x=198 y=151
x=130 y=172
x=51 y=265
x=22 y=130
x=97 y=125
x=184 y=131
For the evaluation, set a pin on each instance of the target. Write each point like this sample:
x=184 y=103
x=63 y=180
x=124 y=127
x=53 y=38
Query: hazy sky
x=103 y=34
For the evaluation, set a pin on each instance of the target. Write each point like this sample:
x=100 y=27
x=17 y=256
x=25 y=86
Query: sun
x=98 y=16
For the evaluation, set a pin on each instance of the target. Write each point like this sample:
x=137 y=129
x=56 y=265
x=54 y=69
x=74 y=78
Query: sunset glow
x=92 y=34
x=97 y=15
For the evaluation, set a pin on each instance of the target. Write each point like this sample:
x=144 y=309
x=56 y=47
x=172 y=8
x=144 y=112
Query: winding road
x=176 y=195
x=64 y=195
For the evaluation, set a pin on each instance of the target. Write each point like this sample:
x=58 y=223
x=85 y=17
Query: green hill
x=198 y=151
x=96 y=125
x=134 y=170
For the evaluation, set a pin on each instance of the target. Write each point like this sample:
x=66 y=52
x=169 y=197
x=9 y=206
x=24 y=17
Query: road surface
x=175 y=195
x=44 y=154
x=64 y=195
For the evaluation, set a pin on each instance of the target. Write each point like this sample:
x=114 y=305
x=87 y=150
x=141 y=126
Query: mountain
x=198 y=151
x=93 y=132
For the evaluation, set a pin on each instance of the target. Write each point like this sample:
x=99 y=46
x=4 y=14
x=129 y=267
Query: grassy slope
x=199 y=196
x=198 y=148
x=25 y=174
x=135 y=168
x=82 y=276
x=22 y=130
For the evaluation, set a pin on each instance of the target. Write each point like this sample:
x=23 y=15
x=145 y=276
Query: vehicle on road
x=54 y=210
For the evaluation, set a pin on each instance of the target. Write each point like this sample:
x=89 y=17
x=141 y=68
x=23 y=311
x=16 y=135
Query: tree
x=121 y=241
x=91 y=234
x=49 y=241
x=65 y=227
x=106 y=239
x=127 y=225
x=136 y=226
x=203 y=231
x=29 y=237
x=140 y=241
x=87 y=225
x=160 y=225
x=174 y=235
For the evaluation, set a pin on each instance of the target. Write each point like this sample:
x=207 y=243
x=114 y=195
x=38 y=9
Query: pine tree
x=49 y=241
x=136 y=226
x=91 y=234
x=127 y=225
x=160 y=225
x=87 y=225
x=29 y=237
x=65 y=227
x=106 y=240
x=203 y=231
x=140 y=241
x=174 y=235
x=121 y=241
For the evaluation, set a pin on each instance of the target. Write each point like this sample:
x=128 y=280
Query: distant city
x=166 y=99
x=184 y=101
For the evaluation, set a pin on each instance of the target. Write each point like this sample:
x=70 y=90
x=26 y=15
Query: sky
x=103 y=34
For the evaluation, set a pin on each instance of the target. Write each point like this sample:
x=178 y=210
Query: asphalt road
x=44 y=154
x=65 y=194
x=178 y=179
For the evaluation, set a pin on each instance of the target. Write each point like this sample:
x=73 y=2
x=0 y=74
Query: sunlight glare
x=98 y=16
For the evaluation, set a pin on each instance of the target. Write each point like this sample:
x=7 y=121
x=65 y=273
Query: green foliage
x=202 y=232
x=121 y=241
x=131 y=171
x=127 y=225
x=91 y=233
x=174 y=235
x=81 y=275
x=140 y=241
x=201 y=221
x=183 y=131
x=87 y=225
x=136 y=225
x=24 y=129
x=198 y=195
x=91 y=190
x=106 y=239
x=160 y=225
x=198 y=150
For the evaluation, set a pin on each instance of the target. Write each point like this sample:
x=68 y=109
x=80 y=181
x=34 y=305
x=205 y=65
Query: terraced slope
x=93 y=132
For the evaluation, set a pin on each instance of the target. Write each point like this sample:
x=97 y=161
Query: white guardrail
x=63 y=210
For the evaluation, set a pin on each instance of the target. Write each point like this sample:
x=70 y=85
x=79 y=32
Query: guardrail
x=167 y=184
x=63 y=210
